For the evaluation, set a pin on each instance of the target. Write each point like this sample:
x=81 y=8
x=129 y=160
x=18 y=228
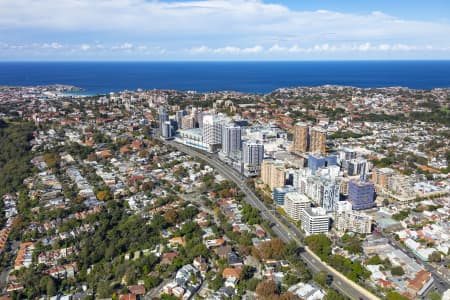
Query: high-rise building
x=231 y=141
x=212 y=130
x=323 y=191
x=315 y=220
x=343 y=185
x=300 y=137
x=330 y=195
x=315 y=162
x=357 y=166
x=167 y=130
x=380 y=177
x=252 y=157
x=188 y=122
x=346 y=154
x=279 y=194
x=199 y=118
x=179 y=118
x=273 y=173
x=361 y=194
x=318 y=139
x=353 y=221
x=266 y=171
x=300 y=179
x=294 y=204
x=331 y=160
x=163 y=117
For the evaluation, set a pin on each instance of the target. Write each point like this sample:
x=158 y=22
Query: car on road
x=329 y=279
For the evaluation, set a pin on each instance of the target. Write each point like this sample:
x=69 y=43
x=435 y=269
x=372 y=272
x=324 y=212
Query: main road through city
x=284 y=230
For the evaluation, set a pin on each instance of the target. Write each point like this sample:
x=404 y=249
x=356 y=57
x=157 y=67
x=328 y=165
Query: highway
x=284 y=232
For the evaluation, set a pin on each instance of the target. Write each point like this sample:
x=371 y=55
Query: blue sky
x=223 y=30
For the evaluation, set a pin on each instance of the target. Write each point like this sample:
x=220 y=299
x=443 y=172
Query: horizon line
x=226 y=61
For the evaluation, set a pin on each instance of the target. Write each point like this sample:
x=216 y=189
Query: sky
x=221 y=30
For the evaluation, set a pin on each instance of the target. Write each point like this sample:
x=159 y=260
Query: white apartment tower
x=231 y=140
x=315 y=220
x=252 y=157
x=294 y=204
x=212 y=130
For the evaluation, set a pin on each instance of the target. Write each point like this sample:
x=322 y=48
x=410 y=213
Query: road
x=285 y=232
x=4 y=273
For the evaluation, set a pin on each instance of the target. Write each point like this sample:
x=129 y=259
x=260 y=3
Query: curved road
x=286 y=233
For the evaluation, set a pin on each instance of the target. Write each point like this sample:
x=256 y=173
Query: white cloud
x=276 y=50
x=227 y=21
x=53 y=45
x=227 y=50
x=253 y=50
x=199 y=50
x=363 y=47
x=213 y=28
x=126 y=46
x=85 y=47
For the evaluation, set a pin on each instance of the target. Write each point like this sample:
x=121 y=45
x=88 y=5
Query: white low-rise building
x=354 y=221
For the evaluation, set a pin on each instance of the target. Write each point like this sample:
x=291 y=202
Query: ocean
x=252 y=77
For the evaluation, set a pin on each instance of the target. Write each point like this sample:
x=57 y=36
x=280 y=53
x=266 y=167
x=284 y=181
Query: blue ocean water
x=254 y=77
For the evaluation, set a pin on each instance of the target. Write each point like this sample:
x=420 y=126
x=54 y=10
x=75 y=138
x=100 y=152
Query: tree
x=147 y=186
x=171 y=216
x=374 y=260
x=319 y=244
x=266 y=289
x=197 y=249
x=104 y=195
x=290 y=249
x=252 y=284
x=352 y=243
x=247 y=272
x=271 y=249
x=290 y=279
x=50 y=287
x=434 y=296
x=168 y=297
x=395 y=296
x=321 y=278
x=397 y=271
x=216 y=283
x=15 y=155
x=287 y=296
x=51 y=159
x=104 y=289
x=435 y=257
x=250 y=214
x=332 y=294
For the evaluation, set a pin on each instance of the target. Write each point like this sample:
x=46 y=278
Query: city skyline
x=142 y=30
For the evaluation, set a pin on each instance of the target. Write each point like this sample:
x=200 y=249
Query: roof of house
x=137 y=289
x=231 y=272
x=128 y=297
x=177 y=240
x=422 y=277
x=222 y=251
